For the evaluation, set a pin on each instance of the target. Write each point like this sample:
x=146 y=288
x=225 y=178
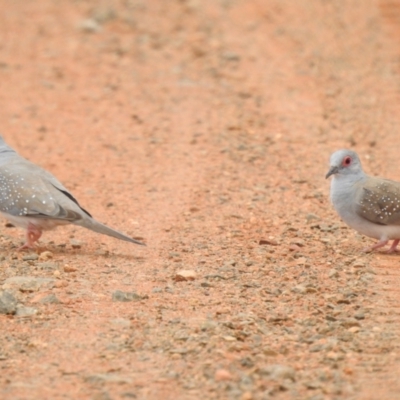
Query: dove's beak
x=332 y=171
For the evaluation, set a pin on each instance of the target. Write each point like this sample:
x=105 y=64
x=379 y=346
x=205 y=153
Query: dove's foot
x=32 y=235
x=393 y=246
x=378 y=245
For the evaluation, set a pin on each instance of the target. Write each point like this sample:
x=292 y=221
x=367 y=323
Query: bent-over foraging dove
x=32 y=198
x=370 y=205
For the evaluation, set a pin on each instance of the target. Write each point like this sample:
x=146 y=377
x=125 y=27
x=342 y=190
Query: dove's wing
x=378 y=201
x=28 y=190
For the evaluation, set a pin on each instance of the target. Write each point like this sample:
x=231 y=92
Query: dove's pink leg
x=381 y=243
x=32 y=235
x=393 y=246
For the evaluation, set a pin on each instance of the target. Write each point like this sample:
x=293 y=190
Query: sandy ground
x=202 y=127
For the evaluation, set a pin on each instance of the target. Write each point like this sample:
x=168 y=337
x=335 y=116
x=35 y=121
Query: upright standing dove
x=367 y=204
x=34 y=199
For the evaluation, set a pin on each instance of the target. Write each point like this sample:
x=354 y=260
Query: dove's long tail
x=93 y=225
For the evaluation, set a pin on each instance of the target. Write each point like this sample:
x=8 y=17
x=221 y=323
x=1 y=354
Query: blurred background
x=205 y=127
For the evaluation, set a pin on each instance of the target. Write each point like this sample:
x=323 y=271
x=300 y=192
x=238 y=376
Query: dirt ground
x=202 y=127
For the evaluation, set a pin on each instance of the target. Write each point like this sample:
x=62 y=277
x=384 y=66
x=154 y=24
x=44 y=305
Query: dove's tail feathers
x=98 y=227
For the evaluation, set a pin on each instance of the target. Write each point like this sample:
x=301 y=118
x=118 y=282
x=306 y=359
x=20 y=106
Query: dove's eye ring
x=346 y=161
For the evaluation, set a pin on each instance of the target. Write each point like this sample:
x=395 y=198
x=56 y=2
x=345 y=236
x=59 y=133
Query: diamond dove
x=33 y=199
x=370 y=205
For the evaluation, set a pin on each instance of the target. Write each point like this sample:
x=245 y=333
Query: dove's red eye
x=346 y=161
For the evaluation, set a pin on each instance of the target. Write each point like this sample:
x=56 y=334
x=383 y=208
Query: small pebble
x=23 y=311
x=8 y=303
x=69 y=268
x=270 y=242
x=278 y=371
x=247 y=396
x=119 y=295
x=50 y=299
x=90 y=25
x=46 y=255
x=333 y=273
x=60 y=284
x=222 y=375
x=185 y=275
x=76 y=244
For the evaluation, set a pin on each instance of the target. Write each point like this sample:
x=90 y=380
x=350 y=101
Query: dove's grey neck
x=343 y=188
x=343 y=184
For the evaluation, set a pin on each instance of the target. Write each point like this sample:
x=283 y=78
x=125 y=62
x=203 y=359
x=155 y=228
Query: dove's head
x=345 y=163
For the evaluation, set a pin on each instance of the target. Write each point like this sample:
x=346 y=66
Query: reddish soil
x=203 y=127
